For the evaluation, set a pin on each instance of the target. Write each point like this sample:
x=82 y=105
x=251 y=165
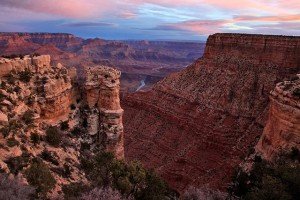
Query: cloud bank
x=196 y=17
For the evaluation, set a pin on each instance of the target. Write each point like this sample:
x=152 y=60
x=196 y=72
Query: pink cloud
x=65 y=8
x=211 y=26
x=128 y=15
x=285 y=18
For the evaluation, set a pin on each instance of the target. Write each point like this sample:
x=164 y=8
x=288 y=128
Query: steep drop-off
x=194 y=127
x=282 y=131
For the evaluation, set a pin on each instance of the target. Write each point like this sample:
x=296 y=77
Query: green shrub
x=11 y=142
x=50 y=157
x=5 y=131
x=11 y=79
x=296 y=92
x=64 y=125
x=16 y=164
x=278 y=180
x=15 y=126
x=35 y=138
x=28 y=117
x=74 y=190
x=14 y=189
x=131 y=179
x=53 y=136
x=73 y=107
x=39 y=176
x=25 y=76
x=76 y=131
x=17 y=89
x=85 y=123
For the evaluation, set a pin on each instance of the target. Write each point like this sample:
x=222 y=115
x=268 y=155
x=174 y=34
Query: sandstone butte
x=195 y=126
x=53 y=96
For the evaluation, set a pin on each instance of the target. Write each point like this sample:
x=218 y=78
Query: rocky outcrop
x=41 y=102
x=195 y=126
x=102 y=88
x=282 y=131
x=49 y=89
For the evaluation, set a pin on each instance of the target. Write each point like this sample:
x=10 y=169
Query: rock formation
x=102 y=92
x=49 y=89
x=37 y=96
x=282 y=131
x=196 y=125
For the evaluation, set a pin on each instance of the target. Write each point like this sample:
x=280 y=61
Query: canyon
x=137 y=60
x=196 y=126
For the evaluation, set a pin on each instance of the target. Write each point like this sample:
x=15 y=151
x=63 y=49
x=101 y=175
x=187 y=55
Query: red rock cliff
x=196 y=125
x=282 y=131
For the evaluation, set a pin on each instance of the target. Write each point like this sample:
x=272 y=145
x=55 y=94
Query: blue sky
x=151 y=19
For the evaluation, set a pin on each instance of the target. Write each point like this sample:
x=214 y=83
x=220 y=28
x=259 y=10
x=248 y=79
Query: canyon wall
x=195 y=126
x=282 y=131
x=102 y=88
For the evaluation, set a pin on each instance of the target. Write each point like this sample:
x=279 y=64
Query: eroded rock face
x=282 y=131
x=195 y=126
x=49 y=89
x=36 y=96
x=102 y=92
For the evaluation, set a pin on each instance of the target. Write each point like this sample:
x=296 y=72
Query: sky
x=151 y=19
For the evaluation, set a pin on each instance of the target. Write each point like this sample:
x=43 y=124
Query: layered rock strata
x=195 y=126
x=282 y=131
x=49 y=90
x=42 y=117
x=102 y=94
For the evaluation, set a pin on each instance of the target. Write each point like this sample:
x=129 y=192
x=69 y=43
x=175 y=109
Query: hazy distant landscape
x=149 y=61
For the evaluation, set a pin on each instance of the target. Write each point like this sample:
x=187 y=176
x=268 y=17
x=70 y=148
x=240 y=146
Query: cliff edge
x=196 y=125
x=282 y=131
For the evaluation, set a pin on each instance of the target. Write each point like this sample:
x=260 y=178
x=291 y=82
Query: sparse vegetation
x=103 y=193
x=12 y=56
x=25 y=76
x=11 y=142
x=64 y=125
x=279 y=180
x=296 y=92
x=16 y=164
x=203 y=193
x=53 y=136
x=39 y=176
x=10 y=78
x=76 y=131
x=72 y=106
x=74 y=190
x=28 y=117
x=50 y=157
x=35 y=138
x=130 y=179
x=15 y=126
x=5 y=131
x=13 y=189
